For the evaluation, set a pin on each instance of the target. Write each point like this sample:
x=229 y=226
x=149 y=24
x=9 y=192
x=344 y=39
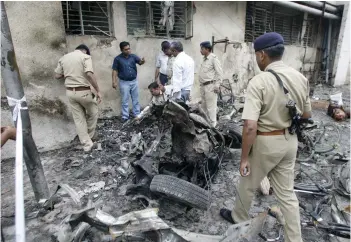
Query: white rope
x=19 y=213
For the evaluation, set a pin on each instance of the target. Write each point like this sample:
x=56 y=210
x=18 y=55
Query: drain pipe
x=307 y=9
x=328 y=52
x=318 y=4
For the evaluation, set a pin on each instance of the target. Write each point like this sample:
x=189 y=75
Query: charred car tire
x=181 y=191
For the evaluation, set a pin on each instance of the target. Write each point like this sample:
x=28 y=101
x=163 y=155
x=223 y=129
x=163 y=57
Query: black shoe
x=227 y=215
x=124 y=120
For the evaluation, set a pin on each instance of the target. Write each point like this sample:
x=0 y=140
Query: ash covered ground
x=95 y=176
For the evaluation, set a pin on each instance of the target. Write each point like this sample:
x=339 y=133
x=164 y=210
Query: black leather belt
x=78 y=88
x=207 y=83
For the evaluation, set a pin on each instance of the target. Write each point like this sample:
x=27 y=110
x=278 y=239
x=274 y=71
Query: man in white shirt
x=183 y=72
x=161 y=63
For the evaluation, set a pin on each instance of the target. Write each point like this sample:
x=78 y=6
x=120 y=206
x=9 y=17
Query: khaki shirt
x=170 y=67
x=211 y=69
x=74 y=66
x=265 y=100
x=163 y=97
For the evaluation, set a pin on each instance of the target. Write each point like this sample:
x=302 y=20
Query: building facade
x=43 y=31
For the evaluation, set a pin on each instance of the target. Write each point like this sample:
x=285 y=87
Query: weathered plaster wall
x=342 y=58
x=226 y=19
x=38 y=35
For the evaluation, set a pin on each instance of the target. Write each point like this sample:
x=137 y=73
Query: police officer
x=77 y=70
x=268 y=148
x=210 y=78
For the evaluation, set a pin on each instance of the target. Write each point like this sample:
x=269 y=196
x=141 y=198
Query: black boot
x=227 y=215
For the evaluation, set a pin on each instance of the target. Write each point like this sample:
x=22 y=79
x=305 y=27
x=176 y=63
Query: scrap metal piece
x=193 y=237
x=199 y=120
x=137 y=221
x=245 y=231
x=79 y=232
x=69 y=190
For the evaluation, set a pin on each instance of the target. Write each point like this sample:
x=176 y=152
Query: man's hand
x=142 y=61
x=245 y=168
x=216 y=89
x=162 y=88
x=98 y=97
x=114 y=84
x=7 y=133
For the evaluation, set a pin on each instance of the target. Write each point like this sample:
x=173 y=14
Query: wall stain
x=11 y=58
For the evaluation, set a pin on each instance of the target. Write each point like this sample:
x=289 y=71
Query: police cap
x=268 y=40
x=206 y=44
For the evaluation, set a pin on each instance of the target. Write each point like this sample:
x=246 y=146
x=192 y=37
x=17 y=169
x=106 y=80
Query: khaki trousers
x=85 y=114
x=273 y=156
x=209 y=102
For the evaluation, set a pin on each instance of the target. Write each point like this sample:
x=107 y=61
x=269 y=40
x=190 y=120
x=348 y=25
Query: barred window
x=87 y=18
x=147 y=19
x=263 y=17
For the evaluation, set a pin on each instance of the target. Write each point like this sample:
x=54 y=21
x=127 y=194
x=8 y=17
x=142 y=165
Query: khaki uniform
x=210 y=77
x=273 y=155
x=74 y=67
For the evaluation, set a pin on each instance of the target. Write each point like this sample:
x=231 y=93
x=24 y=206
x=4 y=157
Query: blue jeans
x=185 y=95
x=163 y=79
x=129 y=88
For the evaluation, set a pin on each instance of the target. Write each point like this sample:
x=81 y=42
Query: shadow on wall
x=51 y=126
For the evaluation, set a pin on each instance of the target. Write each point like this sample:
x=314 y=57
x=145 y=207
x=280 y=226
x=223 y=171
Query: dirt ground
x=72 y=166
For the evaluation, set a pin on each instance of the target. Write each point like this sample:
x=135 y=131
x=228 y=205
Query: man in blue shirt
x=124 y=69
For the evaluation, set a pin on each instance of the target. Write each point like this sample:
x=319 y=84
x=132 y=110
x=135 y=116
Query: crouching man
x=160 y=95
x=77 y=70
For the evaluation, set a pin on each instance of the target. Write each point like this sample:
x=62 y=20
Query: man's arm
x=157 y=73
x=307 y=109
x=88 y=69
x=158 y=66
x=59 y=71
x=218 y=69
x=114 y=78
x=138 y=60
x=219 y=73
x=177 y=79
x=251 y=113
x=7 y=133
x=93 y=82
x=58 y=76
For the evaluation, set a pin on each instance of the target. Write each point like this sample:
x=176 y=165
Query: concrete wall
x=227 y=20
x=38 y=35
x=342 y=58
x=40 y=41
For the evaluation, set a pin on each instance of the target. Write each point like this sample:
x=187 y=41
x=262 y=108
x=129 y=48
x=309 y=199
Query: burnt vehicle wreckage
x=186 y=169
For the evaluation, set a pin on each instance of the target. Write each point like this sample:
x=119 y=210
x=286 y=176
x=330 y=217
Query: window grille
x=87 y=18
x=263 y=17
x=144 y=19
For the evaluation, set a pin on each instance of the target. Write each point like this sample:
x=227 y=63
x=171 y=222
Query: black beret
x=206 y=44
x=268 y=40
x=83 y=47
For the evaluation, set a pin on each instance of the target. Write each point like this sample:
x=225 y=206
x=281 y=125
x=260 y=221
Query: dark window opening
x=263 y=17
x=87 y=18
x=146 y=19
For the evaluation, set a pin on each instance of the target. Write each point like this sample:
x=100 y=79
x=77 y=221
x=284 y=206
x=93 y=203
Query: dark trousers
x=163 y=79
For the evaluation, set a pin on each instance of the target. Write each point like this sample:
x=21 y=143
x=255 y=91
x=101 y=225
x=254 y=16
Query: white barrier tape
x=17 y=103
x=19 y=214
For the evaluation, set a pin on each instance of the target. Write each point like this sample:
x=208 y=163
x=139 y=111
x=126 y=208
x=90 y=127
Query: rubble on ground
x=96 y=184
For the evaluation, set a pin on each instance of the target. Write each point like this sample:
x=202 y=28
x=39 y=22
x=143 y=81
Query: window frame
x=149 y=30
x=66 y=8
x=287 y=22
